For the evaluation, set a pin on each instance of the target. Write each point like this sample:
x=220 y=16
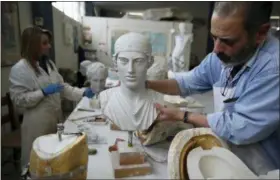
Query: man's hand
x=169 y=114
x=174 y=114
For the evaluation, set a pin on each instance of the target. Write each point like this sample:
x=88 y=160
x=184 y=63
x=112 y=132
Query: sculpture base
x=130 y=155
x=128 y=161
x=121 y=171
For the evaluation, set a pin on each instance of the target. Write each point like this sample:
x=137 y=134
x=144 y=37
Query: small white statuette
x=180 y=58
x=97 y=74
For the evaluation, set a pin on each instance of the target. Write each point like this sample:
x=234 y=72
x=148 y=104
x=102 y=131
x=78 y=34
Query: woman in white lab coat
x=37 y=89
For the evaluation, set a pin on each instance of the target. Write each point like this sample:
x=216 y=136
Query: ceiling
x=196 y=8
x=185 y=6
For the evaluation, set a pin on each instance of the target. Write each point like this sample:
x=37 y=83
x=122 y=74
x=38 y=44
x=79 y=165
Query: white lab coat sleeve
x=72 y=93
x=22 y=89
x=69 y=92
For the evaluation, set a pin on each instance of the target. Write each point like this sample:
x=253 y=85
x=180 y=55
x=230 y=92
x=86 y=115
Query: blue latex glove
x=52 y=88
x=88 y=93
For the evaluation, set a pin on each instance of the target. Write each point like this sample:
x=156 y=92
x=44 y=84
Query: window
x=74 y=10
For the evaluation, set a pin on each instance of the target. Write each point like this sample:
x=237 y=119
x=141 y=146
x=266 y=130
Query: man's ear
x=150 y=61
x=262 y=33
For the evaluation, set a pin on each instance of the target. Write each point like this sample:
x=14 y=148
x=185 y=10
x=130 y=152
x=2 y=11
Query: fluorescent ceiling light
x=274 y=17
x=135 y=13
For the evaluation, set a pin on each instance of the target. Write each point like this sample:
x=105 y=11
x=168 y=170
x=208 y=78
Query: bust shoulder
x=155 y=96
x=105 y=95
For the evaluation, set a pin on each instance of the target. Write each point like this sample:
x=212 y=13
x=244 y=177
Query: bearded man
x=243 y=72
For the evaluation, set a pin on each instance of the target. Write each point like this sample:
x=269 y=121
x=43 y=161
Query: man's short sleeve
x=201 y=78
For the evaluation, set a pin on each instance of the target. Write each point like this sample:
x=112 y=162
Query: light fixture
x=135 y=13
x=275 y=17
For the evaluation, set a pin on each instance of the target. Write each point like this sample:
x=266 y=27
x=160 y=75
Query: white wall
x=64 y=54
x=102 y=28
x=199 y=9
x=25 y=20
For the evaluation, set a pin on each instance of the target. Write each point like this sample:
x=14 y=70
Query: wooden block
x=121 y=171
x=130 y=155
x=129 y=159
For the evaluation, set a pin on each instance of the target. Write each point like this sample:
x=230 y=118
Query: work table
x=99 y=165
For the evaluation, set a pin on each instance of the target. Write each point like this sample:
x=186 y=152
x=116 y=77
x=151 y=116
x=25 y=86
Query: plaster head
x=132 y=59
x=97 y=74
x=83 y=66
x=182 y=28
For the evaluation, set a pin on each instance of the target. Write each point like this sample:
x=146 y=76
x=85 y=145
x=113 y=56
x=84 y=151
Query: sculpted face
x=132 y=69
x=182 y=28
x=97 y=82
x=97 y=75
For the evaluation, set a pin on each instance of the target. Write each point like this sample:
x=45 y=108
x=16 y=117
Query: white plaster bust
x=83 y=67
x=131 y=106
x=97 y=74
x=181 y=53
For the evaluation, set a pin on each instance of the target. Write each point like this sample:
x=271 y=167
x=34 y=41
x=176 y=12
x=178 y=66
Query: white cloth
x=251 y=154
x=41 y=114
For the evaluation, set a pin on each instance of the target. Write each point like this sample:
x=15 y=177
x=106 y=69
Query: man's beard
x=240 y=58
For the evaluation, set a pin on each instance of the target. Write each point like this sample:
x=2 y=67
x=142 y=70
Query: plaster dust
x=49 y=146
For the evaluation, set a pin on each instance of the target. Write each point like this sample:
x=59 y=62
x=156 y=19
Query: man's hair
x=255 y=13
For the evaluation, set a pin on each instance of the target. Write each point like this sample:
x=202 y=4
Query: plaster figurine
x=180 y=57
x=130 y=106
x=97 y=74
x=83 y=67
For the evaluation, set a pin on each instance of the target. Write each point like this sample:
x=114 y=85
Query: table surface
x=100 y=166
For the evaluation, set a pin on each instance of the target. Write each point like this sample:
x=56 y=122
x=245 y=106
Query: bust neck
x=133 y=94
